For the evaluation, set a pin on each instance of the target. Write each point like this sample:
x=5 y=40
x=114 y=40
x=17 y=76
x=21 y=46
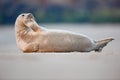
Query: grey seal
x=31 y=37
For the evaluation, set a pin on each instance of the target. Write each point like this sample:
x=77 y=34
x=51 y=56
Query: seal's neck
x=20 y=27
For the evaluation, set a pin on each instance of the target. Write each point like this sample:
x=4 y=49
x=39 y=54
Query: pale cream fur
x=31 y=37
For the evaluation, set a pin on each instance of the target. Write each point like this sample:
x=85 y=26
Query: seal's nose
x=30 y=15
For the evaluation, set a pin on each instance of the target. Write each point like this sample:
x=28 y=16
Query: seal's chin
x=29 y=22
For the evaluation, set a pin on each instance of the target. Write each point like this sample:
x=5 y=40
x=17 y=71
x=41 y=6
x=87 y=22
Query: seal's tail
x=102 y=43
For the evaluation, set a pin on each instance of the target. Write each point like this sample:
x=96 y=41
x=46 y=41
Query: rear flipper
x=102 y=43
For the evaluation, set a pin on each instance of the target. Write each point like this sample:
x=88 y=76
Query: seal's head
x=24 y=18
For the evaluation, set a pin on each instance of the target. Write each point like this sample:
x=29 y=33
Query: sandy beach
x=15 y=65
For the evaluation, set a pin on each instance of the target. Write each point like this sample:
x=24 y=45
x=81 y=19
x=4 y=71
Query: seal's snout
x=30 y=15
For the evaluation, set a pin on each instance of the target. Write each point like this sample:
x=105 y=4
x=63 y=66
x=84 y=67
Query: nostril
x=29 y=14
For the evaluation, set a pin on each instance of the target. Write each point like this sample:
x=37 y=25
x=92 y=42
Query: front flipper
x=33 y=25
x=31 y=47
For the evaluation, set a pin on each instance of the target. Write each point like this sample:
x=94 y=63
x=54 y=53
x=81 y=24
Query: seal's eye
x=23 y=15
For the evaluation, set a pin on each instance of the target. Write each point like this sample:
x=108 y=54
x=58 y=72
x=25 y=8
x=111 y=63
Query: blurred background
x=98 y=19
x=70 y=11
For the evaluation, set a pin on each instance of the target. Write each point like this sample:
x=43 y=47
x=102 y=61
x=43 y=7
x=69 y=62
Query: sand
x=15 y=65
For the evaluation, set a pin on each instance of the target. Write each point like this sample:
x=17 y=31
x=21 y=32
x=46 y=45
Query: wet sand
x=15 y=65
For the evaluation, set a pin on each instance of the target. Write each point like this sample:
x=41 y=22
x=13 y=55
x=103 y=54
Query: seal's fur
x=31 y=37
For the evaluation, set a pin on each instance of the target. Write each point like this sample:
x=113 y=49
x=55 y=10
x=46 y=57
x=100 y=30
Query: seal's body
x=31 y=37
